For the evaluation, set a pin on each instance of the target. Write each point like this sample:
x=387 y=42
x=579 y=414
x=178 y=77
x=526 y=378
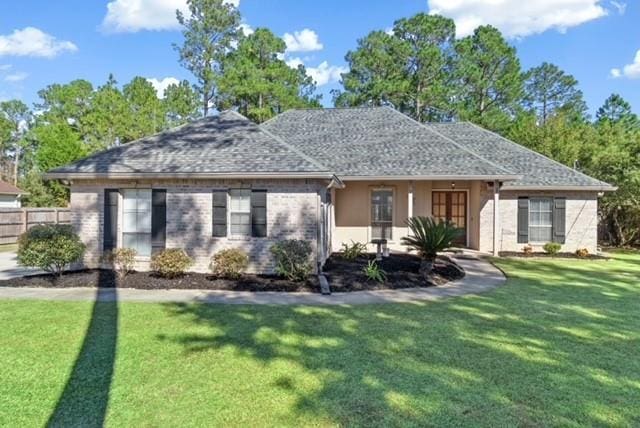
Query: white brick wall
x=581 y=220
x=292 y=207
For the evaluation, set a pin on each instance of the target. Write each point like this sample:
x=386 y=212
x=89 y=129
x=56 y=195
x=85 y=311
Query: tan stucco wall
x=292 y=213
x=353 y=209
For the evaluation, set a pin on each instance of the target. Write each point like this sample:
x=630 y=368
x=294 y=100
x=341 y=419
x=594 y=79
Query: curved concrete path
x=480 y=276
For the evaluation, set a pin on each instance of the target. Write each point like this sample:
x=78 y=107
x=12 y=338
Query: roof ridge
x=534 y=152
x=460 y=146
x=294 y=149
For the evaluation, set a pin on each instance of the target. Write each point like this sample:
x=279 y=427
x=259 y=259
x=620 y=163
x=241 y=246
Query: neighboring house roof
x=360 y=143
x=537 y=170
x=352 y=143
x=9 y=189
x=224 y=145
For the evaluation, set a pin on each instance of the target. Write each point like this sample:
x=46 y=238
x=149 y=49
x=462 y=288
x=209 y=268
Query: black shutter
x=259 y=213
x=559 y=220
x=219 y=213
x=110 y=230
x=523 y=220
x=158 y=220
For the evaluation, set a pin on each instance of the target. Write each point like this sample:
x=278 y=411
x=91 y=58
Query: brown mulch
x=149 y=281
x=550 y=256
x=402 y=272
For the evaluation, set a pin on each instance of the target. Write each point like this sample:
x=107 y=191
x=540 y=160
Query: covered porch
x=367 y=210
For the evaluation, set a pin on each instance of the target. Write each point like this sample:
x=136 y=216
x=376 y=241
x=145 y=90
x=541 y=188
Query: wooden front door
x=452 y=206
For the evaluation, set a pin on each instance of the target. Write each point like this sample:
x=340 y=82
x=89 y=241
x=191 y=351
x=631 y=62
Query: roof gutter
x=430 y=177
x=606 y=188
x=182 y=175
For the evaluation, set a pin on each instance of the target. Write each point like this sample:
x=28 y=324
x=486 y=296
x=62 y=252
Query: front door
x=452 y=206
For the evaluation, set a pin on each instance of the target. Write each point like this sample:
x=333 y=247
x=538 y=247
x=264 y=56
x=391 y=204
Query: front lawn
x=557 y=345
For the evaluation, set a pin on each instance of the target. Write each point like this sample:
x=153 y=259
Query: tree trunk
x=205 y=106
x=15 y=166
x=426 y=266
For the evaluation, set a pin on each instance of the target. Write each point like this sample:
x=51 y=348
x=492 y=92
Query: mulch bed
x=550 y=256
x=150 y=281
x=402 y=272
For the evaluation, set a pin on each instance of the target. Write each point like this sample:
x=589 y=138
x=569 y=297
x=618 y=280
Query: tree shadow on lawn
x=528 y=353
x=86 y=395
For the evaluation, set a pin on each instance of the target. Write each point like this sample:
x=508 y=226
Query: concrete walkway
x=9 y=266
x=480 y=276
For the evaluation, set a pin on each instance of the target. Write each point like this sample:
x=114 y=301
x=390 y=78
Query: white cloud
x=31 y=41
x=161 y=85
x=630 y=71
x=130 y=16
x=322 y=74
x=5 y=67
x=16 y=77
x=302 y=41
x=518 y=18
x=620 y=6
x=246 y=29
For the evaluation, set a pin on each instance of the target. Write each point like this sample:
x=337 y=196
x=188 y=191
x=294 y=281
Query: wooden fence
x=14 y=221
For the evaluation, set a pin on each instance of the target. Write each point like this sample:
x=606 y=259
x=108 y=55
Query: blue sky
x=597 y=41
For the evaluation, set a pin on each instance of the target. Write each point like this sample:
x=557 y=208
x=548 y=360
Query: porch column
x=332 y=219
x=410 y=202
x=496 y=216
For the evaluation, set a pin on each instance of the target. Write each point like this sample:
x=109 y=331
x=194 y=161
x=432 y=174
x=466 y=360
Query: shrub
x=551 y=248
x=171 y=263
x=527 y=250
x=123 y=260
x=428 y=237
x=50 y=247
x=374 y=272
x=353 y=251
x=582 y=252
x=229 y=263
x=292 y=259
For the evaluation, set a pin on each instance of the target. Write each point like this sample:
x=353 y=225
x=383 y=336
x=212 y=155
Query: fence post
x=57 y=219
x=25 y=220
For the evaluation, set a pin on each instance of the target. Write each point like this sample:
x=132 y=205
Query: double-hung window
x=240 y=212
x=136 y=225
x=540 y=219
x=381 y=213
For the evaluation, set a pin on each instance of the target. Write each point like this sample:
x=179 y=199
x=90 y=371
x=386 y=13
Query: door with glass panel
x=451 y=206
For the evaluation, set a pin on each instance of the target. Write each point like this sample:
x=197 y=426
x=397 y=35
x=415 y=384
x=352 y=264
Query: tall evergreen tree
x=616 y=110
x=17 y=118
x=181 y=104
x=489 y=78
x=146 y=109
x=210 y=29
x=548 y=89
x=259 y=83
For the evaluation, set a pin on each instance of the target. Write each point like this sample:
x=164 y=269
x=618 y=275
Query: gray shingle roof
x=377 y=141
x=228 y=143
x=537 y=170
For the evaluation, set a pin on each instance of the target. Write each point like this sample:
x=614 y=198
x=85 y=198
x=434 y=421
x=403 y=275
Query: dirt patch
x=402 y=272
x=148 y=281
x=549 y=256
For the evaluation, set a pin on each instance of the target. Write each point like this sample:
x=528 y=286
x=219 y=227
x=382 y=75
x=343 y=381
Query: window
x=136 y=226
x=240 y=212
x=540 y=219
x=381 y=213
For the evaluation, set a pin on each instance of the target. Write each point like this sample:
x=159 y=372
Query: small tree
x=292 y=259
x=50 y=247
x=428 y=237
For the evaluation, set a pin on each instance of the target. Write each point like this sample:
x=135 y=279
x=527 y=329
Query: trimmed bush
x=582 y=252
x=527 y=250
x=292 y=259
x=229 y=263
x=551 y=248
x=171 y=263
x=50 y=247
x=123 y=260
x=353 y=251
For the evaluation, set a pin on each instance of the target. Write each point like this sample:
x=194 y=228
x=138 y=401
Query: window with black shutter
x=219 y=213
x=158 y=220
x=110 y=230
x=259 y=213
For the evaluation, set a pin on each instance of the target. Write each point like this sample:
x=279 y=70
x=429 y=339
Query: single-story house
x=10 y=195
x=328 y=176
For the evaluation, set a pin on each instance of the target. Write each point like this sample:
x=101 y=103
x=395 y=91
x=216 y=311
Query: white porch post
x=410 y=202
x=332 y=219
x=496 y=216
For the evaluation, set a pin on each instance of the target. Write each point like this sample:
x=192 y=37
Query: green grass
x=558 y=345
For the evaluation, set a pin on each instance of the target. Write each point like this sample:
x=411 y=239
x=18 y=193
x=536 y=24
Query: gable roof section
x=360 y=143
x=537 y=171
x=9 y=189
x=225 y=145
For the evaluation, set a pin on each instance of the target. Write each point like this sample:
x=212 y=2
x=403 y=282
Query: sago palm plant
x=428 y=237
